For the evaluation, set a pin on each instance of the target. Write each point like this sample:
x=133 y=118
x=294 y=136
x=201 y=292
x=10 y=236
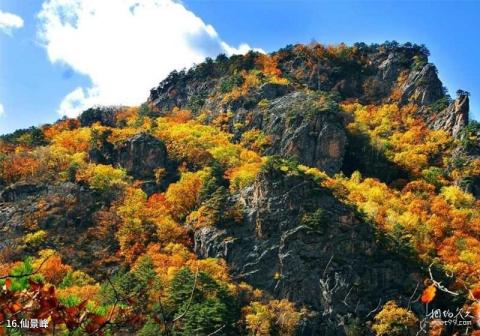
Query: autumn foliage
x=148 y=280
x=428 y=294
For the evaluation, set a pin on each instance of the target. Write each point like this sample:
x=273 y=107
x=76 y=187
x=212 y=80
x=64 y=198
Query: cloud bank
x=124 y=46
x=9 y=21
x=2 y=110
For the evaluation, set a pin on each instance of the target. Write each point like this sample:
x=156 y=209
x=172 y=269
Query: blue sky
x=70 y=58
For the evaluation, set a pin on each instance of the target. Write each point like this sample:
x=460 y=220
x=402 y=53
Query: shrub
x=103 y=177
x=35 y=239
x=315 y=220
x=394 y=321
x=275 y=317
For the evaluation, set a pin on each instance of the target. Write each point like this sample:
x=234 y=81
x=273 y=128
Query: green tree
x=202 y=304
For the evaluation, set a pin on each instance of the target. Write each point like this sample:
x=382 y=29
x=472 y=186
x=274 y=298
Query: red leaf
x=8 y=284
x=71 y=325
x=96 y=322
x=98 y=319
x=34 y=286
x=91 y=328
x=51 y=291
x=72 y=311
x=15 y=307
x=476 y=293
x=429 y=294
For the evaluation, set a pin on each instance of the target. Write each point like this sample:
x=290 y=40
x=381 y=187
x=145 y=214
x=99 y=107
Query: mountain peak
x=315 y=190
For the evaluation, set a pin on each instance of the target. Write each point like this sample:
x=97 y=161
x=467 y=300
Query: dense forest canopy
x=325 y=190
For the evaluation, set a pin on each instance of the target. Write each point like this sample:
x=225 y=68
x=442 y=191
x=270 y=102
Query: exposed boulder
x=141 y=155
x=101 y=114
x=271 y=90
x=422 y=86
x=389 y=68
x=181 y=89
x=317 y=252
x=102 y=155
x=18 y=191
x=66 y=212
x=306 y=126
x=455 y=117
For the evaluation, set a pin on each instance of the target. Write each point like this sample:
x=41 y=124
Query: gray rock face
x=141 y=155
x=66 y=212
x=178 y=89
x=319 y=142
x=301 y=127
x=272 y=91
x=389 y=68
x=331 y=264
x=103 y=115
x=422 y=87
x=454 y=118
x=19 y=191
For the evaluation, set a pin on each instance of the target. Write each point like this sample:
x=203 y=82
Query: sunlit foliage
x=394 y=130
x=102 y=177
x=275 y=317
x=393 y=320
x=212 y=159
x=444 y=224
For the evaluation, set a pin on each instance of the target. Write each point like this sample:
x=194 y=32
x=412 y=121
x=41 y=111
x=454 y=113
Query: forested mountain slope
x=312 y=191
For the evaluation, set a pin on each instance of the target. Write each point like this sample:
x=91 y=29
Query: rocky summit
x=316 y=190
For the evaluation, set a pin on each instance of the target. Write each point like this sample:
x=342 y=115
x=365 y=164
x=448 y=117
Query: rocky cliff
x=256 y=161
x=298 y=242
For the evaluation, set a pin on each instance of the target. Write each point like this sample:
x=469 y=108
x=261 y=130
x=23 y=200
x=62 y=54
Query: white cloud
x=9 y=21
x=125 y=46
x=2 y=110
x=241 y=50
x=74 y=103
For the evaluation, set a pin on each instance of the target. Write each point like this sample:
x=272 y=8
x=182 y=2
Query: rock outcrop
x=317 y=252
x=285 y=233
x=102 y=115
x=66 y=212
x=300 y=126
x=454 y=118
x=422 y=87
x=368 y=74
x=19 y=191
x=141 y=155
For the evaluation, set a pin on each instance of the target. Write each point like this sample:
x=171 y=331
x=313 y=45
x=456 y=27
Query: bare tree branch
x=346 y=296
x=326 y=267
x=413 y=294
x=438 y=284
x=217 y=331
x=356 y=306
x=376 y=308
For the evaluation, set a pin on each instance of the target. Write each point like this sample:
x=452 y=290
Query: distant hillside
x=317 y=190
